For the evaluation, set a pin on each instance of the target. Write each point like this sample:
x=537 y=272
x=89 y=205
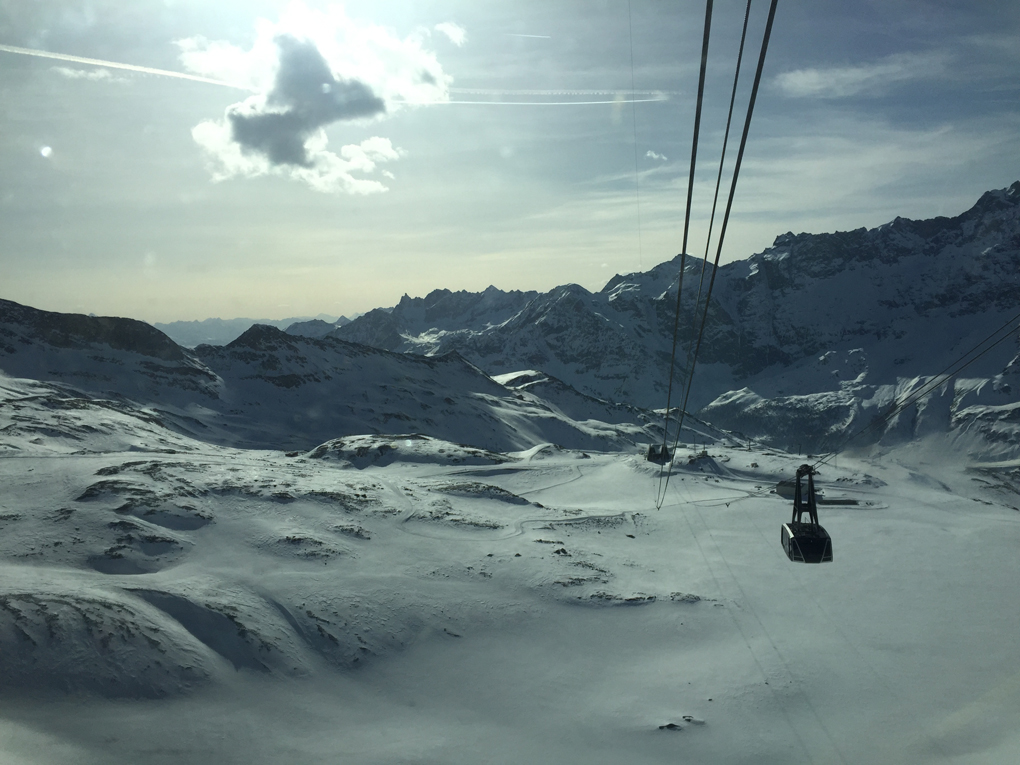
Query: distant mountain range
x=806 y=343
x=222 y=331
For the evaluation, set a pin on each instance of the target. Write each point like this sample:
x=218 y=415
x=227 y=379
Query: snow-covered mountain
x=288 y=389
x=590 y=341
x=270 y=389
x=805 y=341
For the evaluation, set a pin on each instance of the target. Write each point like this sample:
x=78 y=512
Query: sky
x=273 y=159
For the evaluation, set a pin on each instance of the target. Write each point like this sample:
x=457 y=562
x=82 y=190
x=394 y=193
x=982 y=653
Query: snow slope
x=387 y=600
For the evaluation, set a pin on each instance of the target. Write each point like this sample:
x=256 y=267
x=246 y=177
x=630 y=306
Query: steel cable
x=722 y=231
x=938 y=380
x=687 y=222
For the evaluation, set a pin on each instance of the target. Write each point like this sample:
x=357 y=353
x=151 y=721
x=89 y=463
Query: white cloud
x=329 y=173
x=870 y=79
x=395 y=69
x=655 y=155
x=455 y=32
x=308 y=70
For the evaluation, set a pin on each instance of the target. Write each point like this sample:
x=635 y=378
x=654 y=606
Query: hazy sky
x=337 y=169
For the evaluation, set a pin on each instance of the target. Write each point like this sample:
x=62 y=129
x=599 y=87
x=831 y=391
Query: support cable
x=726 y=217
x=687 y=223
x=718 y=184
x=633 y=112
x=947 y=374
x=937 y=381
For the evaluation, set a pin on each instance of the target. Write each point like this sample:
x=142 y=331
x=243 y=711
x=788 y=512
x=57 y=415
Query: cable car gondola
x=806 y=542
x=659 y=454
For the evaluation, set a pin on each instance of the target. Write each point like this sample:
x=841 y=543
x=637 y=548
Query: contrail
x=571 y=92
x=537 y=103
x=540 y=37
x=619 y=97
x=652 y=95
x=116 y=65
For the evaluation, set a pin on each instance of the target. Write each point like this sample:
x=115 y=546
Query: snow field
x=383 y=615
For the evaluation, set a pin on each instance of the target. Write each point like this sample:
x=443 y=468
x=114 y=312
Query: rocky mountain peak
x=263 y=337
x=312 y=328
